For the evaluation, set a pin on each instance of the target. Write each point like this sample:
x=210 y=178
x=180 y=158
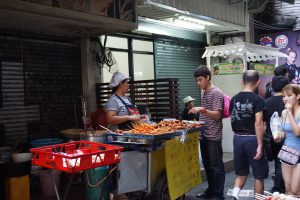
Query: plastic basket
x=76 y=156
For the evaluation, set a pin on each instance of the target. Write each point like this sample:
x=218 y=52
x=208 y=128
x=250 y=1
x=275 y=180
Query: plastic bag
x=275 y=125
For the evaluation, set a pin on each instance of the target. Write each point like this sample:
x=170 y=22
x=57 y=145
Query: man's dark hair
x=279 y=82
x=202 y=70
x=250 y=76
x=280 y=71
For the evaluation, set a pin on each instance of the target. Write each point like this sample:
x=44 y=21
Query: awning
x=254 y=52
x=249 y=52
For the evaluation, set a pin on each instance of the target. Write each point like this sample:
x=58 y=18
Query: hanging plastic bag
x=275 y=125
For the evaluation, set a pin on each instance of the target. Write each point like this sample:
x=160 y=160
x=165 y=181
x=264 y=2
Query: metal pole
x=55 y=187
x=245 y=61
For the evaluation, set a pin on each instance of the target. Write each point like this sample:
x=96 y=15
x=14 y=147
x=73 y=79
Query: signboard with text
x=263 y=69
x=182 y=165
x=228 y=68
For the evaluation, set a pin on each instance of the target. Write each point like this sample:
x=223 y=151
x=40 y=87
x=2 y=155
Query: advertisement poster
x=287 y=42
x=228 y=68
x=263 y=69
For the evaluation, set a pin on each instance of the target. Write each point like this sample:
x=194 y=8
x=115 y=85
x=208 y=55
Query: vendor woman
x=120 y=110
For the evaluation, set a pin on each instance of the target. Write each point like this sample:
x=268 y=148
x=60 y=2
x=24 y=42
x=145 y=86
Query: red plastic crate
x=76 y=156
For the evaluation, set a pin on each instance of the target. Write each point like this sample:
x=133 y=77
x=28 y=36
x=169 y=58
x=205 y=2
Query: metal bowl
x=95 y=137
x=72 y=134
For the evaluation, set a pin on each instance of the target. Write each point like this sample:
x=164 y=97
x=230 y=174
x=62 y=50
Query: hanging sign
x=261 y=68
x=228 y=68
x=182 y=165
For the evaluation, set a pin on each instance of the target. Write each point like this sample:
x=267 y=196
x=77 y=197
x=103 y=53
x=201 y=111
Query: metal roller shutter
x=175 y=58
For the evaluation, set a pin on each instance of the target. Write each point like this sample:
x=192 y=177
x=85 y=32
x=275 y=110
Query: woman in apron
x=120 y=110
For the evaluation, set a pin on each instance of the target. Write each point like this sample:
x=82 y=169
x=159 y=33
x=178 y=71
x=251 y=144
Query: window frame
x=131 y=52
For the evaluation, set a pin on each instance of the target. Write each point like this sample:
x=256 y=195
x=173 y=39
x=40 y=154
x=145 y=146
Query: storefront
x=47 y=57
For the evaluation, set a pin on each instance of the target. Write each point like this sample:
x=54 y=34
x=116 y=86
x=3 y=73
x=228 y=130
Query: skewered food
x=162 y=127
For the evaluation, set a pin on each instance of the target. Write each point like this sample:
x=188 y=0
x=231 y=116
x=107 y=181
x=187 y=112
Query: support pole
x=208 y=63
x=245 y=61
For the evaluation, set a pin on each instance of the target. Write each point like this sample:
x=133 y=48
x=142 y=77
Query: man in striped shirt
x=211 y=140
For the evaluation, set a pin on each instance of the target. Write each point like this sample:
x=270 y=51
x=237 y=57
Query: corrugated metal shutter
x=40 y=81
x=175 y=58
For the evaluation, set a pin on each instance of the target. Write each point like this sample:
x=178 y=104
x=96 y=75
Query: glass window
x=115 y=42
x=143 y=67
x=140 y=45
x=122 y=64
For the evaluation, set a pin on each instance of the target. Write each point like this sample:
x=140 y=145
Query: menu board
x=261 y=68
x=182 y=165
x=228 y=68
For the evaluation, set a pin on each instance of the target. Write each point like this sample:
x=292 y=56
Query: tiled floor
x=229 y=178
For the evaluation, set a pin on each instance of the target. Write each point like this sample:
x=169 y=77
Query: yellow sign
x=264 y=68
x=182 y=164
x=228 y=68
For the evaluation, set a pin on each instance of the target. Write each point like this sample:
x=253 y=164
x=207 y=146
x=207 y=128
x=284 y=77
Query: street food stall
x=247 y=51
x=154 y=158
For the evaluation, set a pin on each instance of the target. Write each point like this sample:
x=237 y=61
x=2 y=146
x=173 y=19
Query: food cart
x=157 y=164
x=149 y=164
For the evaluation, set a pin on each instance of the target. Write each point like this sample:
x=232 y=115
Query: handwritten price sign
x=182 y=164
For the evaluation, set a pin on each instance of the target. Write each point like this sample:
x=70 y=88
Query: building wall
x=40 y=85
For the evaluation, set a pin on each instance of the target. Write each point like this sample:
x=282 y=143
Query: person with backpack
x=210 y=110
x=246 y=110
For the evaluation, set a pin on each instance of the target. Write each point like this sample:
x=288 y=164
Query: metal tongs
x=105 y=128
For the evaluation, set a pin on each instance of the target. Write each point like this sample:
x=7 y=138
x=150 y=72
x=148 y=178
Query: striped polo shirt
x=212 y=100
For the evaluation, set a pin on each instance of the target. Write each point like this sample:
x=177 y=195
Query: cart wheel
x=163 y=190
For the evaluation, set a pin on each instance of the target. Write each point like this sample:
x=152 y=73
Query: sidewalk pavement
x=229 y=178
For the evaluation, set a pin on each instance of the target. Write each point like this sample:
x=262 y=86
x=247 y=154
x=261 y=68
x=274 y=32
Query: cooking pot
x=97 y=136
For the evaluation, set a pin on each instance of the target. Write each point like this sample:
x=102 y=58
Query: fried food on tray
x=162 y=127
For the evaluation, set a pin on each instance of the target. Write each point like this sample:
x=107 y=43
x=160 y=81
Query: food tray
x=144 y=136
x=76 y=156
x=156 y=137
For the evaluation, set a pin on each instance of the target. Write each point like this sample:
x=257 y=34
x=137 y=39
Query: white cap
x=116 y=79
x=188 y=99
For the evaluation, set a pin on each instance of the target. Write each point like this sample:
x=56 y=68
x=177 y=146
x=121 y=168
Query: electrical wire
x=265 y=26
x=257 y=26
x=105 y=56
x=102 y=180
